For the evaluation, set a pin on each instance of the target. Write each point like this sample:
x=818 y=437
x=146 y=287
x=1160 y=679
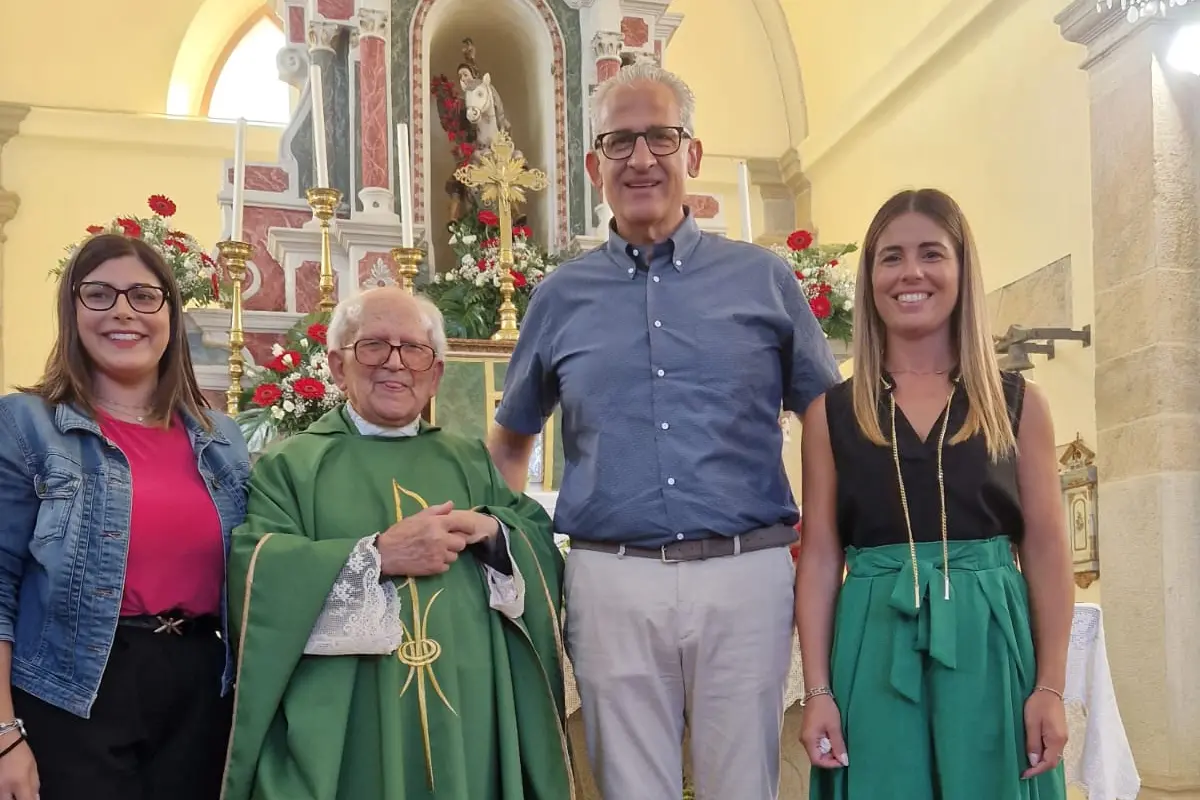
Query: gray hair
x=347 y=319
x=647 y=72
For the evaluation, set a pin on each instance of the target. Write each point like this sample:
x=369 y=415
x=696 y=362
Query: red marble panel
x=262 y=178
x=270 y=295
x=259 y=345
x=703 y=206
x=297 y=33
x=635 y=31
x=308 y=287
x=373 y=106
x=335 y=9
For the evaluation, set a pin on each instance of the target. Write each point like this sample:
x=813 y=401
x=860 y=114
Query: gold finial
x=234 y=255
x=324 y=203
x=503 y=177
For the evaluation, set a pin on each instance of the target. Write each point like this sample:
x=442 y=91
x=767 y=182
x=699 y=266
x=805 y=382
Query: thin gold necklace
x=137 y=412
x=912 y=545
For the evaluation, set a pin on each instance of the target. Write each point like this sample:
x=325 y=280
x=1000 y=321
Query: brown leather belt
x=700 y=549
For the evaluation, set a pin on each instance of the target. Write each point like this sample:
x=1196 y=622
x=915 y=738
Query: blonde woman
x=936 y=669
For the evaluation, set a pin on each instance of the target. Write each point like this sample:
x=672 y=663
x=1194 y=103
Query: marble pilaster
x=375 y=194
x=1145 y=155
x=11 y=116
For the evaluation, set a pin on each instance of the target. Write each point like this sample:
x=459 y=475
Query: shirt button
x=656 y=279
x=635 y=252
x=679 y=536
x=666 y=425
x=661 y=373
x=679 y=263
x=670 y=481
x=631 y=270
x=657 y=324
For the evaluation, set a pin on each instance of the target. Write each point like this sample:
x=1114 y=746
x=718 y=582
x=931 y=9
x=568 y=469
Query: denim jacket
x=65 y=505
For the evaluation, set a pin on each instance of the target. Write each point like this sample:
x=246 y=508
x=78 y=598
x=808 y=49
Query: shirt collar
x=371 y=429
x=681 y=244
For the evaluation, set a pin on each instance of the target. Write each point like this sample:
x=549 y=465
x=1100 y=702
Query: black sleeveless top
x=982 y=498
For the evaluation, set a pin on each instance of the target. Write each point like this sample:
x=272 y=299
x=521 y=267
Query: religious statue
x=472 y=115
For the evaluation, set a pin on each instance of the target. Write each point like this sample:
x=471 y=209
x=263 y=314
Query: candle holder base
x=234 y=255
x=324 y=203
x=408 y=264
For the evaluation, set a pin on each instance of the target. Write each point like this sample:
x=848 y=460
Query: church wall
x=73 y=169
x=999 y=119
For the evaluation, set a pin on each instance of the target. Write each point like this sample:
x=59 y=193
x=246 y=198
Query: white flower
x=276 y=412
x=304 y=343
x=287 y=359
x=277 y=349
x=848 y=305
x=289 y=406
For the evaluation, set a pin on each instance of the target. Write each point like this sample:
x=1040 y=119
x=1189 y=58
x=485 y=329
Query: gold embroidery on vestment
x=417 y=651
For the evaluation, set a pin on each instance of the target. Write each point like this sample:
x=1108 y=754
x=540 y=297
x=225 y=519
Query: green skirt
x=933 y=697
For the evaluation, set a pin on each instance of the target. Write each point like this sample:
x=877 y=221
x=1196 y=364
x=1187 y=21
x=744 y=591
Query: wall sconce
x=1017 y=343
x=1077 y=476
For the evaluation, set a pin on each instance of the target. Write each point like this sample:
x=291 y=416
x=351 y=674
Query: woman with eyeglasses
x=119 y=489
x=934 y=669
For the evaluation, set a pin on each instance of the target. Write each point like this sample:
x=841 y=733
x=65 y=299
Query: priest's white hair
x=347 y=319
x=645 y=72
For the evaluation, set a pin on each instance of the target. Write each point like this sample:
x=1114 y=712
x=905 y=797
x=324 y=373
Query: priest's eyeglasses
x=376 y=352
x=662 y=141
x=100 y=296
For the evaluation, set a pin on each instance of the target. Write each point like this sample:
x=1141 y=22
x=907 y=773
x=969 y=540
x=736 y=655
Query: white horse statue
x=484 y=109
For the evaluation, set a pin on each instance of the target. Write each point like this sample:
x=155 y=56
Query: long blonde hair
x=970 y=332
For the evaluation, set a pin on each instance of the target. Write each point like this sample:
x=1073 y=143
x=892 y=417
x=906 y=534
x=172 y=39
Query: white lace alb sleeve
x=506 y=592
x=361 y=616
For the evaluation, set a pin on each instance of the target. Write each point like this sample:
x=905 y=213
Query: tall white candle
x=239 y=179
x=404 y=185
x=318 y=115
x=744 y=198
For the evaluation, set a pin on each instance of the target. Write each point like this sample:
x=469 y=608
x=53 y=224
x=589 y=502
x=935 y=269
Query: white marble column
x=11 y=116
x=1145 y=157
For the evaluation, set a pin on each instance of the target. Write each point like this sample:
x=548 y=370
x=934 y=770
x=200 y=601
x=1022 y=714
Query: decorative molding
x=292 y=62
x=11 y=117
x=578 y=4
x=1078 y=477
x=10 y=203
x=607 y=44
x=665 y=27
x=791 y=171
x=1103 y=33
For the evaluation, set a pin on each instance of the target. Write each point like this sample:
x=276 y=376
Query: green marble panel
x=461 y=403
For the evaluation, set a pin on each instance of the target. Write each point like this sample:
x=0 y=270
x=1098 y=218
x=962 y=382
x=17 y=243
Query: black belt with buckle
x=701 y=549
x=172 y=624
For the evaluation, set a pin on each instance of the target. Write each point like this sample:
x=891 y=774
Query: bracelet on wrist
x=1051 y=690
x=816 y=691
x=15 y=743
x=12 y=725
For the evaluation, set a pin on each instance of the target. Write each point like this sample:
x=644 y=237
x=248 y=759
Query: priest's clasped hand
x=428 y=542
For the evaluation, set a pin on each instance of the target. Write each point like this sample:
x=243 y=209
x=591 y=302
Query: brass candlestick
x=324 y=203
x=234 y=255
x=408 y=263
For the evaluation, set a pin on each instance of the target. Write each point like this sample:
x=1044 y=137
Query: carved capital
x=577 y=4
x=10 y=203
x=791 y=171
x=1104 y=30
x=372 y=22
x=11 y=116
x=607 y=45
x=321 y=35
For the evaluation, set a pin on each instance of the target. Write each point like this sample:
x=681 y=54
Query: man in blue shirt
x=670 y=352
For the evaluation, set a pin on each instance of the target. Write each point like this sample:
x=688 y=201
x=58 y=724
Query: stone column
x=11 y=116
x=606 y=45
x=1145 y=155
x=375 y=195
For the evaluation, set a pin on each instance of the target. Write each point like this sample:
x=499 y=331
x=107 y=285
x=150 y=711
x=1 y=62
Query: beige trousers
x=653 y=644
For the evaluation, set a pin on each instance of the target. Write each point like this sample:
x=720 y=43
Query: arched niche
x=513 y=45
x=553 y=29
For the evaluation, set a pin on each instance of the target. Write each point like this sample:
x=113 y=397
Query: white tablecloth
x=1098 y=759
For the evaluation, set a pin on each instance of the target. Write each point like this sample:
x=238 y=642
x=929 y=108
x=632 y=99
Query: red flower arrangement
x=828 y=287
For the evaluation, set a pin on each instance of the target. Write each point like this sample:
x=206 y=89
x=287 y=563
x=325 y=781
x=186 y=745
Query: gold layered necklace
x=912 y=544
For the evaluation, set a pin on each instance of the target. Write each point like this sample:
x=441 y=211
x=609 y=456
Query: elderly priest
x=395 y=605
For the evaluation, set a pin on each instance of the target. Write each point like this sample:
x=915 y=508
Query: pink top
x=176 y=556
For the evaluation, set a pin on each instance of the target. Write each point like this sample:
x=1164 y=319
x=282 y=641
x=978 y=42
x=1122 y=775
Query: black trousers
x=158 y=729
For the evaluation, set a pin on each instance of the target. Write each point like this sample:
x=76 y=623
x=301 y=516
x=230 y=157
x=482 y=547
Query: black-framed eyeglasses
x=100 y=296
x=376 y=352
x=663 y=140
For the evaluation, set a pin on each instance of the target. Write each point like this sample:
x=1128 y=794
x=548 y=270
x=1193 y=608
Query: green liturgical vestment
x=469 y=707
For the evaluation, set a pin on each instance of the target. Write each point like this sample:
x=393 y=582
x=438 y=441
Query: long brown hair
x=68 y=374
x=970 y=332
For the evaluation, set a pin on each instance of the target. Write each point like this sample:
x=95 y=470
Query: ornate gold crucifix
x=418 y=652
x=503 y=176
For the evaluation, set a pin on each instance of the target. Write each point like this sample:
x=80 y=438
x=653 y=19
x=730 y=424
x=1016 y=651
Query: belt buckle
x=170 y=625
x=663 y=557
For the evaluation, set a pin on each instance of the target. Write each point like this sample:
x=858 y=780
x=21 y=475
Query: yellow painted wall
x=999 y=119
